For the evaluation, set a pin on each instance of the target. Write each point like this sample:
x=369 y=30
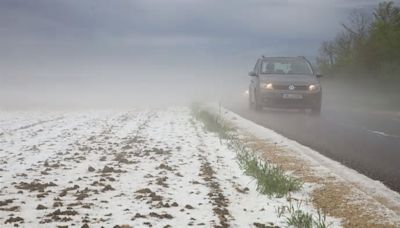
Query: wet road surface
x=368 y=142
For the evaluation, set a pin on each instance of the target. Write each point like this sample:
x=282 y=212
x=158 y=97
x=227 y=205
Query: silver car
x=285 y=82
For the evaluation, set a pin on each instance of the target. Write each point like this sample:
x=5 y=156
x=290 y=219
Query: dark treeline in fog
x=367 y=46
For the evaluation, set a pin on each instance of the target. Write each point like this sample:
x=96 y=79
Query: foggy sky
x=144 y=42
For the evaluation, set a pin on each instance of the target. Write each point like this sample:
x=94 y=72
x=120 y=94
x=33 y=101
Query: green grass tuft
x=298 y=218
x=271 y=180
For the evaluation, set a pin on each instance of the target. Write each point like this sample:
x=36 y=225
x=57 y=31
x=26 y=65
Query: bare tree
x=327 y=52
x=387 y=13
x=358 y=26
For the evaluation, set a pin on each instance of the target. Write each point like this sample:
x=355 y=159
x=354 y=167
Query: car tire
x=250 y=102
x=257 y=102
x=316 y=110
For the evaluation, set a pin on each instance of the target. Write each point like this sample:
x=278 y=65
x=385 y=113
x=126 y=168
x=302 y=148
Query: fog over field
x=123 y=113
x=123 y=53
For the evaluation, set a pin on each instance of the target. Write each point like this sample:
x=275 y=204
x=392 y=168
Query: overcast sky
x=80 y=40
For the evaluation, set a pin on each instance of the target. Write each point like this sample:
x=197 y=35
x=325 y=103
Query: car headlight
x=267 y=86
x=314 y=87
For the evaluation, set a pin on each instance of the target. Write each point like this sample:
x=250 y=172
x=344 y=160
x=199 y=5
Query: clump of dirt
x=154 y=197
x=161 y=216
x=60 y=216
x=14 y=220
x=260 y=225
x=135 y=140
x=84 y=148
x=47 y=164
x=242 y=190
x=6 y=202
x=108 y=169
x=59 y=212
x=91 y=169
x=122 y=158
x=162 y=205
x=146 y=193
x=41 y=207
x=158 y=151
x=164 y=166
x=87 y=205
x=21 y=175
x=80 y=195
x=148 y=224
x=175 y=204
x=138 y=215
x=66 y=190
x=34 y=186
x=108 y=188
x=188 y=206
x=13 y=208
x=161 y=181
x=57 y=204
x=122 y=226
x=74 y=204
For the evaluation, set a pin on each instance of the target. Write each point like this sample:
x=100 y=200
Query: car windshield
x=285 y=66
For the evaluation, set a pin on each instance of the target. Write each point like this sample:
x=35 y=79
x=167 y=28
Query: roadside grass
x=212 y=123
x=271 y=179
x=298 y=218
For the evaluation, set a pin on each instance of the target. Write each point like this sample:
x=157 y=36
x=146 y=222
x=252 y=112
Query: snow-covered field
x=141 y=168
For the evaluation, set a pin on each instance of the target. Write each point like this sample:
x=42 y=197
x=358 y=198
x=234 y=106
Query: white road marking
x=380 y=133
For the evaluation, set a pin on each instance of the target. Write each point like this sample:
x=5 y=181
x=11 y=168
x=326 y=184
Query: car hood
x=293 y=79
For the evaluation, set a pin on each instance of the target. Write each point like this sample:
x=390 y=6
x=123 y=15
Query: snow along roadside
x=376 y=198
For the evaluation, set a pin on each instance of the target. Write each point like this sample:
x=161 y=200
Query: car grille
x=286 y=87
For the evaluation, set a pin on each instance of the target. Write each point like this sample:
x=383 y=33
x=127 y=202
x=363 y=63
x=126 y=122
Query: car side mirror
x=252 y=73
x=318 y=75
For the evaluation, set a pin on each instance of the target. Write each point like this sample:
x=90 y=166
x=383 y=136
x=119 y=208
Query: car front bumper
x=279 y=99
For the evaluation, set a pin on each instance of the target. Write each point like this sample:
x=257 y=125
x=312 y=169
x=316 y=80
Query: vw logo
x=291 y=87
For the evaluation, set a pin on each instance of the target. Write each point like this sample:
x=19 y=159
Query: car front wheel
x=316 y=110
x=257 y=102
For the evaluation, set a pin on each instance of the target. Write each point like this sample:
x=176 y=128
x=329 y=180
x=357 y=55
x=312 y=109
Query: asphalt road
x=367 y=141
